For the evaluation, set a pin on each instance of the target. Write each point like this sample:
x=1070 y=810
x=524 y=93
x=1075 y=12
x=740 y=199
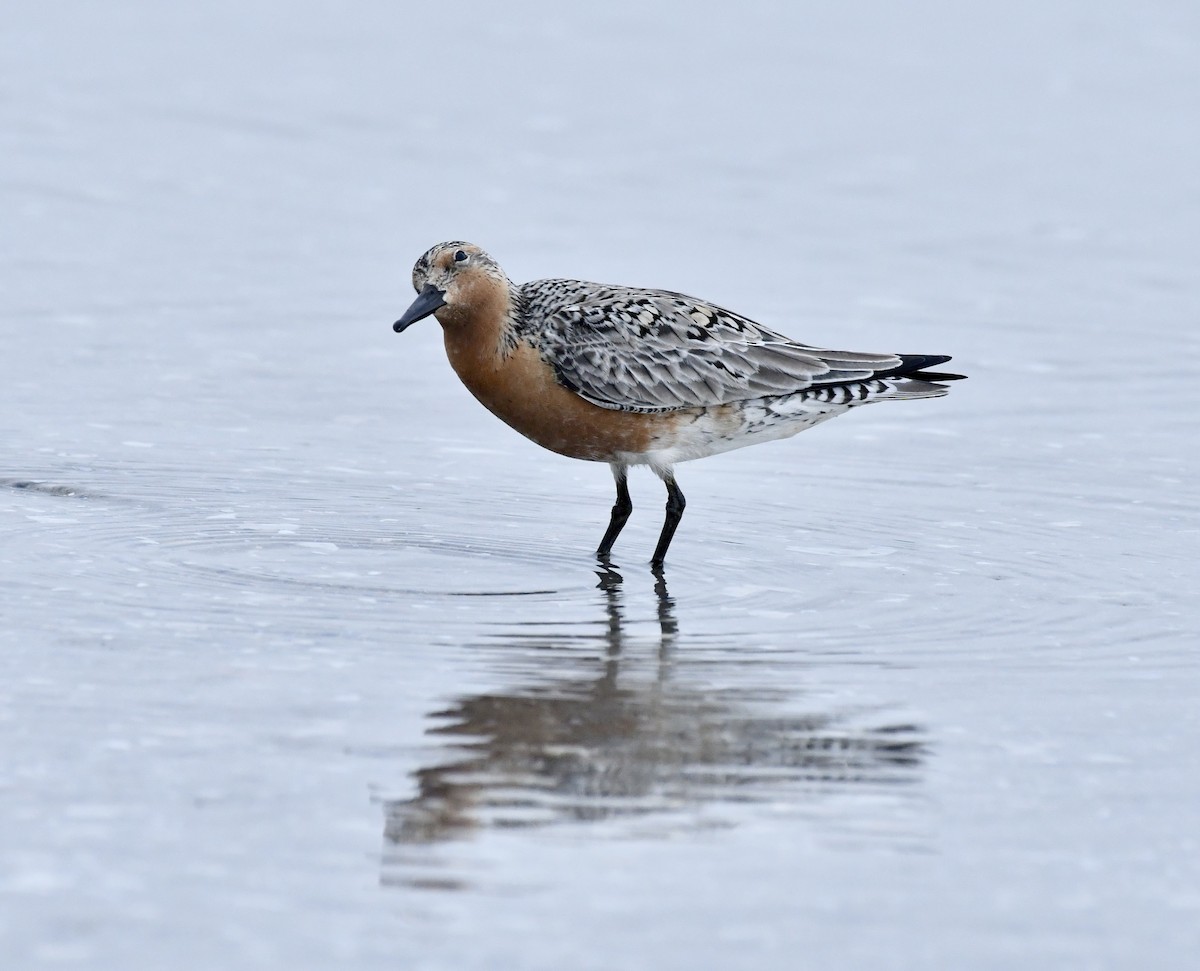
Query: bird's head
x=451 y=277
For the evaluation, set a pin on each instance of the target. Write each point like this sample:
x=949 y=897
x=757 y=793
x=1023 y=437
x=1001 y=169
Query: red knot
x=639 y=377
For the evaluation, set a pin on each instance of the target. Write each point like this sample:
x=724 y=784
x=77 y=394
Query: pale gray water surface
x=305 y=662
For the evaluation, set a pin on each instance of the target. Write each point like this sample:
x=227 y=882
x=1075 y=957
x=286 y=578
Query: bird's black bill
x=428 y=300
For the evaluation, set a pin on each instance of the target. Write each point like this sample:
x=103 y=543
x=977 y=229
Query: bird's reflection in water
x=603 y=746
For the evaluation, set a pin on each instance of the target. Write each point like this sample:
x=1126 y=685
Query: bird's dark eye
x=460 y=256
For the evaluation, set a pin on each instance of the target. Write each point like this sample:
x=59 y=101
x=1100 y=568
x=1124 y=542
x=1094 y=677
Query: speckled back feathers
x=655 y=350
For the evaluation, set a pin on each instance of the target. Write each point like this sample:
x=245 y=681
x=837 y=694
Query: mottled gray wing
x=654 y=350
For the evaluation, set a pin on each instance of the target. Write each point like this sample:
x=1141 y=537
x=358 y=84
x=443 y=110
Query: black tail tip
x=913 y=366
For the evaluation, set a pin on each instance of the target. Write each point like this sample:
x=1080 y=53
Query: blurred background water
x=305 y=658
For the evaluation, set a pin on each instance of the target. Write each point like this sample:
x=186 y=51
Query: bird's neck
x=480 y=330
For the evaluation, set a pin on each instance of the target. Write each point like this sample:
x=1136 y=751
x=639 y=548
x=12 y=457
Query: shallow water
x=305 y=658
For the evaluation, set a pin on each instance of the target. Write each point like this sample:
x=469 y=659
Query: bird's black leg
x=675 y=506
x=620 y=511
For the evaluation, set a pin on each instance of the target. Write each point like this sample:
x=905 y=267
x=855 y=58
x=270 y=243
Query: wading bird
x=630 y=376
